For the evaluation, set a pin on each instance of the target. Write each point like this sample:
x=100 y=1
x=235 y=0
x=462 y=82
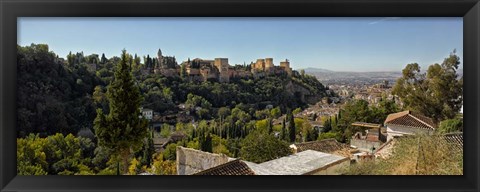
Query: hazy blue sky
x=341 y=44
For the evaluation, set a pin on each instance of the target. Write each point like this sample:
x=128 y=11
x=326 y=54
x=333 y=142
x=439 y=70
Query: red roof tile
x=410 y=119
x=235 y=167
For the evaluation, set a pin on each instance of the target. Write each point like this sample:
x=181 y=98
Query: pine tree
x=122 y=130
x=436 y=93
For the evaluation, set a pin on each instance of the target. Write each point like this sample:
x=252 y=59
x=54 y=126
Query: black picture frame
x=10 y=10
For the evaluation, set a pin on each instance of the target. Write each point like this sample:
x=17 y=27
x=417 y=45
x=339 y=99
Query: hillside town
x=323 y=157
x=183 y=99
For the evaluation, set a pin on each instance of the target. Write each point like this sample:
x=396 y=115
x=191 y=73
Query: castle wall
x=260 y=64
x=268 y=63
x=220 y=69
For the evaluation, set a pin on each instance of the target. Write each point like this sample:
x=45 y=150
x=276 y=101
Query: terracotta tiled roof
x=410 y=119
x=331 y=146
x=235 y=167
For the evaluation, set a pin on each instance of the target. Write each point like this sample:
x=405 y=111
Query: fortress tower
x=286 y=65
x=260 y=64
x=222 y=66
x=160 y=58
x=269 y=65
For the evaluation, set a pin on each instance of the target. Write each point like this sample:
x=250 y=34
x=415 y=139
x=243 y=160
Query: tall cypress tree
x=283 y=134
x=205 y=141
x=148 y=151
x=291 y=127
x=122 y=130
x=103 y=59
x=270 y=125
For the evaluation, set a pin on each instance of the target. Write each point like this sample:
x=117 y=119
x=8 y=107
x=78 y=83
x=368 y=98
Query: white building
x=408 y=123
x=147 y=113
x=309 y=162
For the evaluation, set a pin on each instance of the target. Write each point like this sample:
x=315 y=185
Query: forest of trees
x=75 y=121
x=61 y=99
x=53 y=97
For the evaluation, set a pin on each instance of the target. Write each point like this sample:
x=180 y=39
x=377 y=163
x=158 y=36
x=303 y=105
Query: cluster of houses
x=324 y=157
x=373 y=94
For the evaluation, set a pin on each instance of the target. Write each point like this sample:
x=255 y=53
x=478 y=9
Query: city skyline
x=338 y=44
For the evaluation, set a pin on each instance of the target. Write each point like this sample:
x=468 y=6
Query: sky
x=338 y=44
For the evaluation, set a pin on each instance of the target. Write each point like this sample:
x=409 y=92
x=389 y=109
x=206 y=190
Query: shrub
x=415 y=155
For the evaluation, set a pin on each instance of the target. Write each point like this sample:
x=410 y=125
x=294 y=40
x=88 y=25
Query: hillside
x=58 y=95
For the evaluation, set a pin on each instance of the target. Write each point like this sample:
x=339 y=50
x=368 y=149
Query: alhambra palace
x=218 y=69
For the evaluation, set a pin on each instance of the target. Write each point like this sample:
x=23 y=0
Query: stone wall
x=364 y=145
x=190 y=161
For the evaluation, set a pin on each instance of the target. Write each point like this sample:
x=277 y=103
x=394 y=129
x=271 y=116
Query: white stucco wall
x=365 y=145
x=396 y=130
x=148 y=114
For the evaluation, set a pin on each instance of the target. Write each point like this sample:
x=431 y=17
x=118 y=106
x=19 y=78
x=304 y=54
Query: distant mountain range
x=340 y=77
x=329 y=76
x=313 y=70
x=321 y=70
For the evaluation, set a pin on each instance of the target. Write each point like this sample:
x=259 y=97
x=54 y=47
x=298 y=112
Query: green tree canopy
x=259 y=146
x=451 y=125
x=54 y=155
x=436 y=93
x=122 y=130
x=353 y=111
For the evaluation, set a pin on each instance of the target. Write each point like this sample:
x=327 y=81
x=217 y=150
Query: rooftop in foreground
x=300 y=163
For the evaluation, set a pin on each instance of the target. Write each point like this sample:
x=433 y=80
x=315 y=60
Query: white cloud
x=383 y=19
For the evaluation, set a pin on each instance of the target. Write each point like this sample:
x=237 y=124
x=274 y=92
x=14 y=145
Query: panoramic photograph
x=239 y=96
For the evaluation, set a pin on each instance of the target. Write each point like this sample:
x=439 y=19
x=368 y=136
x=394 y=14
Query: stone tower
x=268 y=65
x=260 y=64
x=160 y=58
x=222 y=66
x=286 y=66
